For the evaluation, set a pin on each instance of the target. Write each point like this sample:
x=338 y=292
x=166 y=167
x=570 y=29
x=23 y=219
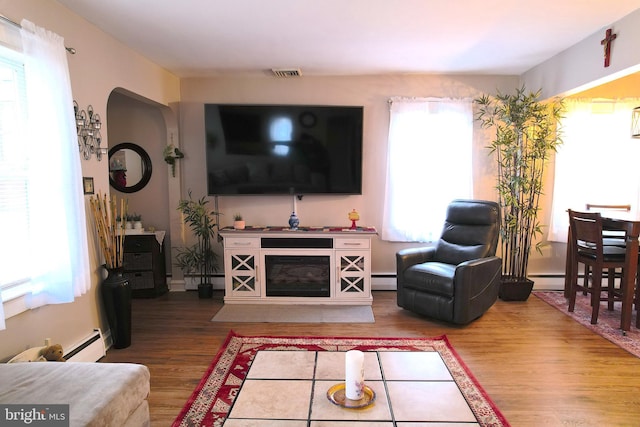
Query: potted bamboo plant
x=200 y=257
x=526 y=133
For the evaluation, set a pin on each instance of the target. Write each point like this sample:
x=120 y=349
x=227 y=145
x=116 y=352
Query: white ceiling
x=342 y=37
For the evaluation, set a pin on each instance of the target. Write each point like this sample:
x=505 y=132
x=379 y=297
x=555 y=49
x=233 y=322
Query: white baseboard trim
x=383 y=282
x=191 y=282
x=90 y=349
x=379 y=282
x=176 y=285
x=542 y=282
x=547 y=282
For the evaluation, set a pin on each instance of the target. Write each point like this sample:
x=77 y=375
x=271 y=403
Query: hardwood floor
x=540 y=367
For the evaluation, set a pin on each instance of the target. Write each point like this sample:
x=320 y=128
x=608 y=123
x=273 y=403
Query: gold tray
x=337 y=395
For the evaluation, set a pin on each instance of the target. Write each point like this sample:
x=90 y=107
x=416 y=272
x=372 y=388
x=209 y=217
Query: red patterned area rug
x=212 y=400
x=608 y=325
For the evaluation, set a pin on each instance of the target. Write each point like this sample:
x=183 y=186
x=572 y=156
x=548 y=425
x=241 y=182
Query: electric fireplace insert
x=297 y=275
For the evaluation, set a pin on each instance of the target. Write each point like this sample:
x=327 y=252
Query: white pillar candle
x=354 y=374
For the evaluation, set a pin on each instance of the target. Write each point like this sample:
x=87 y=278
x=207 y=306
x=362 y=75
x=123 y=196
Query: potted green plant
x=129 y=221
x=526 y=133
x=136 y=218
x=238 y=222
x=200 y=257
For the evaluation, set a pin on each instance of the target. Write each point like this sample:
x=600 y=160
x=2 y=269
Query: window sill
x=14 y=307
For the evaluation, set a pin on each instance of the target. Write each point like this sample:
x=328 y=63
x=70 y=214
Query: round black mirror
x=129 y=167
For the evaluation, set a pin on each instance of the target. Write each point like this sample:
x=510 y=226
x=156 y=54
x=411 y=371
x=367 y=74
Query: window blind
x=14 y=206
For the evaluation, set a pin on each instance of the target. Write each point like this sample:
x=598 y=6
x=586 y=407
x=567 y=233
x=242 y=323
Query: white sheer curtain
x=597 y=162
x=58 y=234
x=429 y=164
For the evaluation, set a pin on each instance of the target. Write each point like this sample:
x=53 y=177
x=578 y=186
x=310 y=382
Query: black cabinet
x=144 y=265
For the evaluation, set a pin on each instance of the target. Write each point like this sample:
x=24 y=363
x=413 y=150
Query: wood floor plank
x=538 y=366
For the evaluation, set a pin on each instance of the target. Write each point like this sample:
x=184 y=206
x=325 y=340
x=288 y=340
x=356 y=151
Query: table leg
x=629 y=278
x=568 y=269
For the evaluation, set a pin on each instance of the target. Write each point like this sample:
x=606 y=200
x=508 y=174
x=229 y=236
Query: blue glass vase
x=293 y=221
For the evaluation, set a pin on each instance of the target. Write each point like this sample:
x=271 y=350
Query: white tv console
x=310 y=265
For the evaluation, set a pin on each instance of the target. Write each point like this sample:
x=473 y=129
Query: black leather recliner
x=457 y=280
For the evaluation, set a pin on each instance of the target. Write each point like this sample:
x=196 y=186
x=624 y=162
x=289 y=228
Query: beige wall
x=582 y=65
x=372 y=92
x=142 y=123
x=100 y=65
x=579 y=71
x=103 y=64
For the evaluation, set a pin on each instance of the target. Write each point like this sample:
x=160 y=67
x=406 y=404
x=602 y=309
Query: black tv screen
x=283 y=149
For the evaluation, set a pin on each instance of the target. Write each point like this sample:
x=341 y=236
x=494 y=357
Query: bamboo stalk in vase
x=118 y=236
x=104 y=231
x=98 y=218
x=121 y=233
x=110 y=237
x=106 y=237
x=105 y=250
x=124 y=208
x=111 y=225
x=114 y=235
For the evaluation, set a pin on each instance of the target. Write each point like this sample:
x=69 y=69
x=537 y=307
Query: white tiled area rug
x=283 y=381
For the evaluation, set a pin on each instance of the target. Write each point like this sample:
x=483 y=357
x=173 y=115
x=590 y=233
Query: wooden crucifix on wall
x=606 y=42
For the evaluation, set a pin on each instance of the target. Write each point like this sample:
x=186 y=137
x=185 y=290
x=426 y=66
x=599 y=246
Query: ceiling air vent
x=286 y=72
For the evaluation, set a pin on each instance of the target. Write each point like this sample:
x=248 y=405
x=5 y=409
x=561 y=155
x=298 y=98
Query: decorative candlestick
x=354 y=216
x=354 y=374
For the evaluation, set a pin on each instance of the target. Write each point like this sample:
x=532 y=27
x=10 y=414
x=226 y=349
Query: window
x=14 y=216
x=42 y=219
x=429 y=164
x=599 y=153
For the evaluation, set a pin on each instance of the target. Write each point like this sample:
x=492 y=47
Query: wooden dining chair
x=609 y=237
x=587 y=248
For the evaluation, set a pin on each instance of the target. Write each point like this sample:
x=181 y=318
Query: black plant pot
x=517 y=289
x=205 y=290
x=116 y=297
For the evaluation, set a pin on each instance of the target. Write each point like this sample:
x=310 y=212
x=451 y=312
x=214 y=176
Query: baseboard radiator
x=90 y=349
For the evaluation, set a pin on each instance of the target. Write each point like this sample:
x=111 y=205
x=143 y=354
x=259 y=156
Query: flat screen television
x=283 y=149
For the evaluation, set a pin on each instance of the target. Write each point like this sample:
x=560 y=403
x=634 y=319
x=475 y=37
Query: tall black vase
x=116 y=296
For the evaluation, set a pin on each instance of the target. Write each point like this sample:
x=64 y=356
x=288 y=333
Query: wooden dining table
x=630 y=224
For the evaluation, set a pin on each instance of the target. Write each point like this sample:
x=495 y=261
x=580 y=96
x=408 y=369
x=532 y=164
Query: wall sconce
x=635 y=123
x=88 y=126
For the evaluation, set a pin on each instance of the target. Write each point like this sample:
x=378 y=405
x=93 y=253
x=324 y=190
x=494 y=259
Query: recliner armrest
x=476 y=282
x=405 y=258
x=480 y=261
x=476 y=274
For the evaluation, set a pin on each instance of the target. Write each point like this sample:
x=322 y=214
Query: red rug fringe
x=211 y=401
